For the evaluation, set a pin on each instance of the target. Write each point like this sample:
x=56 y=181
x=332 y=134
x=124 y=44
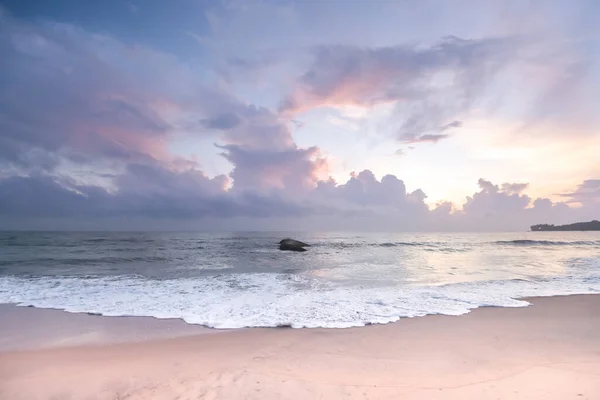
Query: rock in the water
x=292 y=245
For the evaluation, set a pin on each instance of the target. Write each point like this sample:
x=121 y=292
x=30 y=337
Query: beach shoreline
x=113 y=329
x=548 y=350
x=69 y=328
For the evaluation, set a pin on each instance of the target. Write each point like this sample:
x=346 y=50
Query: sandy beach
x=550 y=350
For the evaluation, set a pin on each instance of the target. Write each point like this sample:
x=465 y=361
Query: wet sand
x=550 y=350
x=25 y=328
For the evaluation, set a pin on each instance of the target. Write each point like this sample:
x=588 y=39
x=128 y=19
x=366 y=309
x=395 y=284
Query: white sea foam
x=267 y=300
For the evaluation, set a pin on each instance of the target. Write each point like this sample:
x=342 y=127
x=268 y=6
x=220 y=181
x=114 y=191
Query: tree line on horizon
x=578 y=226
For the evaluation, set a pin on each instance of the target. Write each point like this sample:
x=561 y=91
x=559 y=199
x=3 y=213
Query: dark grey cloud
x=222 y=122
x=43 y=196
x=47 y=197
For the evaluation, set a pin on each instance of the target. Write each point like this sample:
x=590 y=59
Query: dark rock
x=292 y=245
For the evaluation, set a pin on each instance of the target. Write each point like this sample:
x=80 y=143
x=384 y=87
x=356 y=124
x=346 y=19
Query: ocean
x=236 y=280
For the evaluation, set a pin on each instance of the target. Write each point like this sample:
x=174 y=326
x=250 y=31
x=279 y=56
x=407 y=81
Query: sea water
x=235 y=280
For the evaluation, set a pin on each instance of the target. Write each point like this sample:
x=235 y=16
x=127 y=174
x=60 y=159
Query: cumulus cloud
x=513 y=188
x=49 y=197
x=71 y=96
x=362 y=202
x=264 y=155
x=506 y=207
x=363 y=190
x=73 y=101
x=293 y=169
x=493 y=200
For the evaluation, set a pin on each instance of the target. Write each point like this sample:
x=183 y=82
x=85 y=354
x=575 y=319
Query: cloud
x=222 y=122
x=160 y=195
x=362 y=202
x=505 y=207
x=157 y=192
x=71 y=97
x=413 y=138
x=431 y=86
x=432 y=89
x=293 y=169
x=453 y=124
x=252 y=127
x=420 y=125
x=346 y=75
x=74 y=102
x=514 y=188
x=40 y=196
x=493 y=200
x=586 y=193
x=150 y=180
x=365 y=190
x=67 y=92
x=260 y=146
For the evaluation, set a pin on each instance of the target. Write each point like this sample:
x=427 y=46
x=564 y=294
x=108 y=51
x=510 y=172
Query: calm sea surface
x=242 y=280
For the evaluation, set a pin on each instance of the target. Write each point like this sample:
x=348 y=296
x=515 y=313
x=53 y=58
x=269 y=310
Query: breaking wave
x=271 y=300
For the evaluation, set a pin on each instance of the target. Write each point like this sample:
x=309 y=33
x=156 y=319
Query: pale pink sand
x=30 y=328
x=550 y=350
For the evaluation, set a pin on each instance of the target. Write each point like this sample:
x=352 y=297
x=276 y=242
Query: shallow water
x=241 y=279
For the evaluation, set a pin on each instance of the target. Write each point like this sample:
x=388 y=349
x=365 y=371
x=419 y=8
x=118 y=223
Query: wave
x=343 y=245
x=400 y=244
x=119 y=240
x=231 y=301
x=55 y=243
x=461 y=246
x=527 y=242
x=84 y=261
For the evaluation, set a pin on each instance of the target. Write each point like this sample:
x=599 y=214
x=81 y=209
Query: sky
x=384 y=115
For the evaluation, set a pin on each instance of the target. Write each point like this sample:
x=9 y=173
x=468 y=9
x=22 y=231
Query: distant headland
x=579 y=226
